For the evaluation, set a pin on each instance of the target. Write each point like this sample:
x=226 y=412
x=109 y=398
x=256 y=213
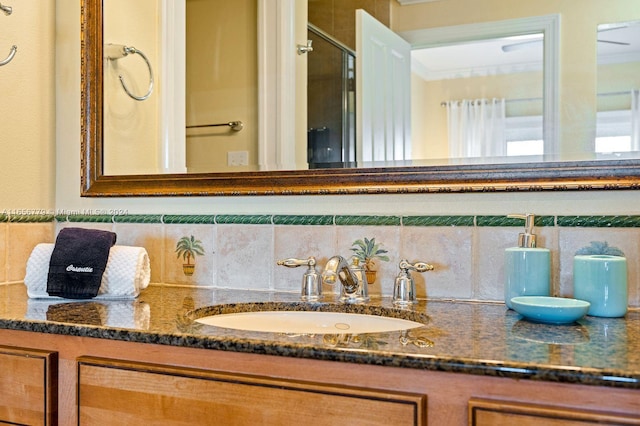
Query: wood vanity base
x=103 y=381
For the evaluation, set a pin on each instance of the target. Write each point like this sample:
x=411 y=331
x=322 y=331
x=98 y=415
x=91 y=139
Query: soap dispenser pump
x=527 y=267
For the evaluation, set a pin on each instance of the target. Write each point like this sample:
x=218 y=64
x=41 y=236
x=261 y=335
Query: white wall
x=27 y=106
x=68 y=176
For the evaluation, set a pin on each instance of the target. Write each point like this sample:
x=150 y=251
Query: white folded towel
x=128 y=272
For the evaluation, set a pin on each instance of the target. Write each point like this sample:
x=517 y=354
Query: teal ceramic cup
x=602 y=281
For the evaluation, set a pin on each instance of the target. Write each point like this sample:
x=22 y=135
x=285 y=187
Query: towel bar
x=235 y=125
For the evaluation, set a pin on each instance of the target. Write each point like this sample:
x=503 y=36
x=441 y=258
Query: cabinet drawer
x=28 y=386
x=131 y=393
x=484 y=412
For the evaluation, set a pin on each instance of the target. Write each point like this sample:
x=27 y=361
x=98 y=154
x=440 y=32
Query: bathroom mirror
x=557 y=175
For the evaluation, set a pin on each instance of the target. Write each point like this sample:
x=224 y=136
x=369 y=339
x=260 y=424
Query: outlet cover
x=238 y=158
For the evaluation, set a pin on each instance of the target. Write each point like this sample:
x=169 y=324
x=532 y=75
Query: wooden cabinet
x=505 y=413
x=101 y=381
x=133 y=393
x=28 y=386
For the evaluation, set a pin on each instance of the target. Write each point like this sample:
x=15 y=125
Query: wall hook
x=115 y=52
x=12 y=53
x=302 y=49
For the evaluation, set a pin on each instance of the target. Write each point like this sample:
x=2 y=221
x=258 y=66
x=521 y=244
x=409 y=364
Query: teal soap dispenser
x=527 y=267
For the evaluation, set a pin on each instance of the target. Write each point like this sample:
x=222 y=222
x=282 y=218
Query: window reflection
x=618 y=106
x=479 y=99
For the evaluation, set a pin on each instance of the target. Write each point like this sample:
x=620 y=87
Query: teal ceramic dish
x=550 y=310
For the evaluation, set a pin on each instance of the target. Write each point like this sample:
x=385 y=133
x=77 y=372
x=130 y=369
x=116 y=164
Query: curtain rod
x=444 y=103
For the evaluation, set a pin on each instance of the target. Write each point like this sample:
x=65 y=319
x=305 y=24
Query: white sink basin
x=308 y=322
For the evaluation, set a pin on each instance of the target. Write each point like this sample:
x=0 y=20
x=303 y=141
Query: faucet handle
x=311 y=282
x=405 y=266
x=292 y=262
x=404 y=289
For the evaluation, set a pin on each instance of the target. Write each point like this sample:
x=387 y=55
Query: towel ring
x=6 y=9
x=123 y=51
x=12 y=53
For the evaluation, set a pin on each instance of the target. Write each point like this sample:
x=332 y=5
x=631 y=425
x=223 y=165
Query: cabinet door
x=132 y=393
x=28 y=386
x=499 y=413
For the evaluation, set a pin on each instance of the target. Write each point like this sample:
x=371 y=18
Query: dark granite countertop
x=474 y=338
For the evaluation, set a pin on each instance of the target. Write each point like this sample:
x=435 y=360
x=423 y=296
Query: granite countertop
x=464 y=337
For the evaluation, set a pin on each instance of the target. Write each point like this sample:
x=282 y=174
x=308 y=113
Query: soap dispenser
x=527 y=267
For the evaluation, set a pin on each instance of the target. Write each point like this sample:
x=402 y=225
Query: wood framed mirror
x=574 y=175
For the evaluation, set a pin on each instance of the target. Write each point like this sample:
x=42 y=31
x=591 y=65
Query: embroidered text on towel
x=72 y=268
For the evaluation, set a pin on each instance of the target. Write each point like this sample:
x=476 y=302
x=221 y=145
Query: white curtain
x=635 y=120
x=476 y=128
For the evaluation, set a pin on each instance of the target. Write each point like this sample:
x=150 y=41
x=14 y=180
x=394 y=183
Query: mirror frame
x=512 y=177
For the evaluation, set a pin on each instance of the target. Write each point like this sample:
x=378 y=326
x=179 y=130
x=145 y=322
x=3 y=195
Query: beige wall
x=68 y=176
x=224 y=88
x=132 y=126
x=27 y=107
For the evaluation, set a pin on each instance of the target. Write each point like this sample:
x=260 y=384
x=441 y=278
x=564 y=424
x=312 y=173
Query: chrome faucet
x=354 y=287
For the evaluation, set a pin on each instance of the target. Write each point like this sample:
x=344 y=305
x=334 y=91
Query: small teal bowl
x=550 y=310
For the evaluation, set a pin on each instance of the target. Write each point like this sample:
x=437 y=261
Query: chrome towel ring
x=7 y=11
x=114 y=52
x=12 y=53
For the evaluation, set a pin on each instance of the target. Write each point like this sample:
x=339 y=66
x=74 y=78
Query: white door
x=173 y=143
x=383 y=88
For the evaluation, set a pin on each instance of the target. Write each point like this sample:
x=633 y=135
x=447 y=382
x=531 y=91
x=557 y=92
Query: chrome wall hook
x=12 y=53
x=302 y=49
x=114 y=52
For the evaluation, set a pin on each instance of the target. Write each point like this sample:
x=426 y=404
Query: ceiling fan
x=532 y=42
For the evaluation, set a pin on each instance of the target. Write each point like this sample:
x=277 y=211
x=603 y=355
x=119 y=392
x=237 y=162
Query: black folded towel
x=78 y=261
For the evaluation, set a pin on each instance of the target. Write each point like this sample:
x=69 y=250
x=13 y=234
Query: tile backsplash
x=240 y=251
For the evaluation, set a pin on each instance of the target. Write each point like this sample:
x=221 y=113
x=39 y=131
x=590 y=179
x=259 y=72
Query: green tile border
x=600 y=221
x=302 y=220
x=244 y=219
x=137 y=218
x=30 y=218
x=437 y=220
x=86 y=218
x=604 y=221
x=368 y=220
x=193 y=219
x=508 y=221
